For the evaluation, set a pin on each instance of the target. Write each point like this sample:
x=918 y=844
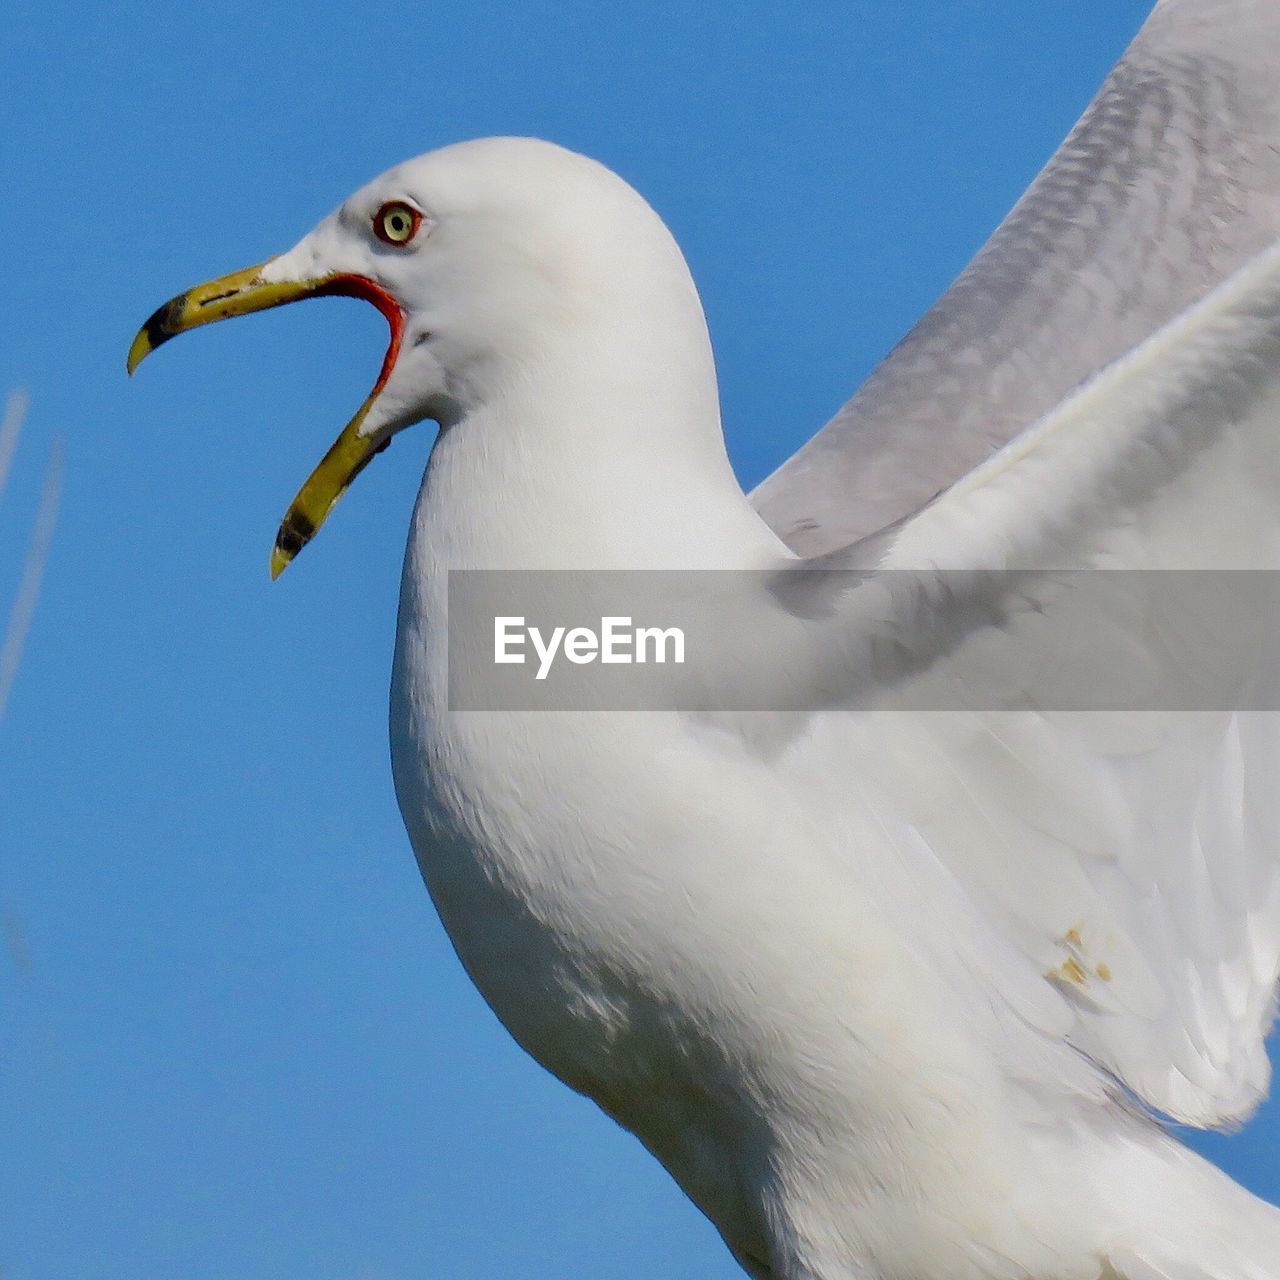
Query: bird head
x=479 y=255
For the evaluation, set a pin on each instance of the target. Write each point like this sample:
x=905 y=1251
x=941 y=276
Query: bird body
x=894 y=968
x=710 y=945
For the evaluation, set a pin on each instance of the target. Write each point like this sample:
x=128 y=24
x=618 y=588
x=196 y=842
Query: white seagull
x=894 y=993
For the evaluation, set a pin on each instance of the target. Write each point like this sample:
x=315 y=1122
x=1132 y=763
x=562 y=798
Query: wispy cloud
x=37 y=553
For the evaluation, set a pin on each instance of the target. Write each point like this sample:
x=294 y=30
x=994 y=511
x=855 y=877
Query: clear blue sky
x=233 y=1039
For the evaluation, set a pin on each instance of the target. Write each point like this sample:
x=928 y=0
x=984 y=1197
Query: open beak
x=243 y=292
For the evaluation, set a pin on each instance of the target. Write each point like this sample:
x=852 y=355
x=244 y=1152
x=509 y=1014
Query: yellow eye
x=396 y=222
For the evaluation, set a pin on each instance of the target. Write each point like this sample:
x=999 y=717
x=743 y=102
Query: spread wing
x=1132 y=856
x=1169 y=183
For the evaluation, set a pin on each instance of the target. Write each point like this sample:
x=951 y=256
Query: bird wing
x=1169 y=183
x=1132 y=855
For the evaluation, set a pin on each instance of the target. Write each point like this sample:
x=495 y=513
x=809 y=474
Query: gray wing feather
x=1170 y=182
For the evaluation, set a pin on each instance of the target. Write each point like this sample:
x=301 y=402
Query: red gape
x=354 y=286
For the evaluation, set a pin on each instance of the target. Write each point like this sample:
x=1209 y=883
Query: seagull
x=905 y=972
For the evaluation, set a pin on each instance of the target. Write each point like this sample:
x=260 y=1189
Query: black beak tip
x=161 y=325
x=294 y=534
x=165 y=322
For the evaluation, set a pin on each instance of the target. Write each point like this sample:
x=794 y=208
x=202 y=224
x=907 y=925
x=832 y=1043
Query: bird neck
x=604 y=453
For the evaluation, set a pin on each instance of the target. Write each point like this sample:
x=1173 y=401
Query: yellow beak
x=243 y=292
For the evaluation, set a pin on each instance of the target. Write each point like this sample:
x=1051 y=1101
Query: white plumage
x=868 y=992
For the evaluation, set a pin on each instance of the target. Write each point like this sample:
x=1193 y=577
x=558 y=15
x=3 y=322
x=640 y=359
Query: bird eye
x=396 y=222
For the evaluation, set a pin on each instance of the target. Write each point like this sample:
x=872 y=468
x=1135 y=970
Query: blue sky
x=235 y=1040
